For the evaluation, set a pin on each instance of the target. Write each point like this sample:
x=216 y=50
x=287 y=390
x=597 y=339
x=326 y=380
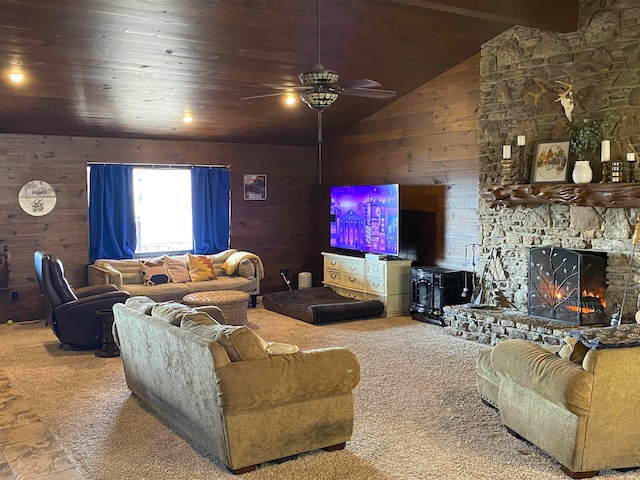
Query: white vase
x=582 y=172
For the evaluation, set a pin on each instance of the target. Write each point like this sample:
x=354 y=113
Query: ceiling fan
x=321 y=87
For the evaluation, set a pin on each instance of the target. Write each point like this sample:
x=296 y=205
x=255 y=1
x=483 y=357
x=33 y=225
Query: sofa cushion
x=201 y=268
x=178 y=268
x=171 y=312
x=154 y=272
x=572 y=349
x=159 y=293
x=141 y=304
x=241 y=343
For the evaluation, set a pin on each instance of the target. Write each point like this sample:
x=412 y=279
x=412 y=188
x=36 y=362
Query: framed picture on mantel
x=550 y=162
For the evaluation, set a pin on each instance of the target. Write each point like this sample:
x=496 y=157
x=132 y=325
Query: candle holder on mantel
x=506 y=165
x=631 y=161
x=605 y=171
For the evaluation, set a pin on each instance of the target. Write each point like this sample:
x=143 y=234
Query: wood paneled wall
x=428 y=137
x=278 y=229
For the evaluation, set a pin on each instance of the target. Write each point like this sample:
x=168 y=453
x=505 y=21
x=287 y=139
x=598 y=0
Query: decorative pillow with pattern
x=178 y=268
x=201 y=268
x=154 y=272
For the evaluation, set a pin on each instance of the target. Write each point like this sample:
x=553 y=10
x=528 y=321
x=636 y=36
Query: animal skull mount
x=566 y=99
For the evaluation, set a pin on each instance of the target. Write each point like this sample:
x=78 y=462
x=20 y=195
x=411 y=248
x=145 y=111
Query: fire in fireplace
x=567 y=285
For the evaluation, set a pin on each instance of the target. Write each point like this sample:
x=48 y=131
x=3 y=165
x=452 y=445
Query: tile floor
x=27 y=449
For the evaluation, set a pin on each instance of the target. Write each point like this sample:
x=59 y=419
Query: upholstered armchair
x=71 y=313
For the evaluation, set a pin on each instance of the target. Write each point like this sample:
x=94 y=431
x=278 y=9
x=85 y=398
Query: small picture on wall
x=255 y=187
x=550 y=162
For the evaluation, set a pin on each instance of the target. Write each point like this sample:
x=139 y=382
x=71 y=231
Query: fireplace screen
x=567 y=285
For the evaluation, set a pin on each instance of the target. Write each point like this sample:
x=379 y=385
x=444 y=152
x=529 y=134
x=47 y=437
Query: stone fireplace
x=522 y=74
x=567 y=285
x=519 y=87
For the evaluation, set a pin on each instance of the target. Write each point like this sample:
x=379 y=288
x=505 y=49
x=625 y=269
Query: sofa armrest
x=104 y=275
x=558 y=380
x=287 y=378
x=87 y=305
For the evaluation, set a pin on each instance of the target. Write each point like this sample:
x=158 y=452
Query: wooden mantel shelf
x=590 y=194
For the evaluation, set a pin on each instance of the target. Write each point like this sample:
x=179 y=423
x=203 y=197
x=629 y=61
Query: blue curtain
x=210 y=188
x=112 y=224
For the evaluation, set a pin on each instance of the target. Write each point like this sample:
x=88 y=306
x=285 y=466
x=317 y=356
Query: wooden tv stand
x=366 y=279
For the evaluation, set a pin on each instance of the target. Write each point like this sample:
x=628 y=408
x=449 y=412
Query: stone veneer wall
x=519 y=70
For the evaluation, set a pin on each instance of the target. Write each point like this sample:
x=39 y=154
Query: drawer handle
x=352 y=279
x=375 y=284
x=353 y=269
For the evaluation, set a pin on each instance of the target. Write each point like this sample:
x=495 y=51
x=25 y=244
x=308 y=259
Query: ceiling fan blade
x=369 y=93
x=286 y=87
x=366 y=83
x=264 y=96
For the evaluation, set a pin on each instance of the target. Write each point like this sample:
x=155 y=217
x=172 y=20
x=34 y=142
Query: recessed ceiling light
x=16 y=77
x=187 y=119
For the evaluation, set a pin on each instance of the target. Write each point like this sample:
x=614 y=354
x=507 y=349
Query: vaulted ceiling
x=132 y=68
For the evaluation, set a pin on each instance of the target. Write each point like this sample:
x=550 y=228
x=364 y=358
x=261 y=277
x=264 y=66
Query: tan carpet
x=417 y=414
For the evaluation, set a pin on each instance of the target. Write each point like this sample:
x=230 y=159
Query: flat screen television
x=366 y=218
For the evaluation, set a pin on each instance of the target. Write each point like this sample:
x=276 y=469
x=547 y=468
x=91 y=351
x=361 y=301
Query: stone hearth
x=492 y=325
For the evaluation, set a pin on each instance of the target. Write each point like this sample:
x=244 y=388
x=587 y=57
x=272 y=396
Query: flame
x=585 y=310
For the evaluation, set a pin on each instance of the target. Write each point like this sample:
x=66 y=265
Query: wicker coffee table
x=233 y=303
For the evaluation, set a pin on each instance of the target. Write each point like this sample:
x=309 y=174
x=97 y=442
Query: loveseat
x=244 y=400
x=578 y=401
x=172 y=277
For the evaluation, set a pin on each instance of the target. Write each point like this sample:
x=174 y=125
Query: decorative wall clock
x=37 y=198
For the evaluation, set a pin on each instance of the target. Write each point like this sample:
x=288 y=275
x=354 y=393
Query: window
x=162 y=205
x=154 y=209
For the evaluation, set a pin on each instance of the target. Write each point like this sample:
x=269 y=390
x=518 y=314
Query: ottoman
x=233 y=303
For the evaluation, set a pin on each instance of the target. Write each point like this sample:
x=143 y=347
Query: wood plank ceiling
x=132 y=68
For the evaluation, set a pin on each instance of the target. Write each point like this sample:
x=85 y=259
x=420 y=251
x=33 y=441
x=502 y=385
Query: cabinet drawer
x=333 y=263
x=375 y=285
x=353 y=267
x=351 y=294
x=331 y=276
x=375 y=269
x=351 y=280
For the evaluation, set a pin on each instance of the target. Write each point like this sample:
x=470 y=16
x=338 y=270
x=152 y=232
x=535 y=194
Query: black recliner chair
x=71 y=313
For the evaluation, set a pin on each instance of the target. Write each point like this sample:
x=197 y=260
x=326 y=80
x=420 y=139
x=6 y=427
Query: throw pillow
x=199 y=318
x=154 y=272
x=140 y=304
x=178 y=268
x=246 y=269
x=171 y=312
x=201 y=268
x=240 y=343
x=572 y=349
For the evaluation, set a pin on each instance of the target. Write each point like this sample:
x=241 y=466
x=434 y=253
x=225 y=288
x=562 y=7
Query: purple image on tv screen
x=365 y=218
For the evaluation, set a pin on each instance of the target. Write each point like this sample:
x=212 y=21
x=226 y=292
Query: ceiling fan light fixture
x=318 y=76
x=319 y=98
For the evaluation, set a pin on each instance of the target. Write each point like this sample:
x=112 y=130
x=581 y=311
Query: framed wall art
x=550 y=162
x=255 y=187
x=37 y=198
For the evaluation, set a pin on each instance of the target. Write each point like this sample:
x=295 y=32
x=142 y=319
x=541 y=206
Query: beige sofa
x=247 y=271
x=577 y=402
x=244 y=400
